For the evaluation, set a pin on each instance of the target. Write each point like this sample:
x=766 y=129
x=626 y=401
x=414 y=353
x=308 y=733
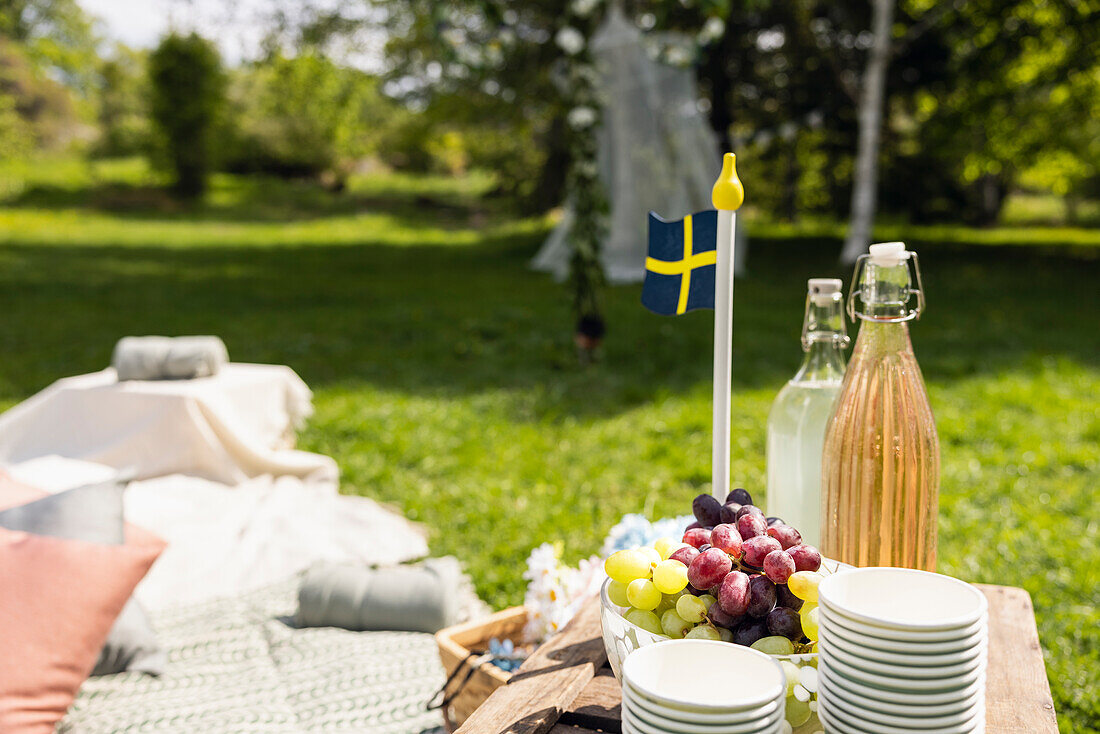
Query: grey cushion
x=419 y=598
x=93 y=513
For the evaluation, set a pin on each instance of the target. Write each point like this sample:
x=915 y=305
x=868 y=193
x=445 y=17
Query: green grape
x=644 y=619
x=627 y=565
x=670 y=577
x=673 y=625
x=703 y=632
x=791 y=671
x=616 y=592
x=691 y=608
x=798 y=712
x=725 y=635
x=652 y=554
x=810 y=621
x=708 y=600
x=774 y=645
x=803 y=584
x=668 y=601
x=665 y=546
x=643 y=594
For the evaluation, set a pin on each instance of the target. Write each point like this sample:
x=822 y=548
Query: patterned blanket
x=238 y=665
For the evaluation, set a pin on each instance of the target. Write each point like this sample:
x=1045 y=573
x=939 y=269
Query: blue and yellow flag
x=679 y=272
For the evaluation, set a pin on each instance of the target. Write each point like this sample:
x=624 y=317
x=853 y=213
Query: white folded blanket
x=168 y=358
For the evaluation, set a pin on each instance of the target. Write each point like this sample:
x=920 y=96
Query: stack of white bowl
x=702 y=687
x=902 y=652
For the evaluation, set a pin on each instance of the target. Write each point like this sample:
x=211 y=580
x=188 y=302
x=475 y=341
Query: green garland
x=587 y=197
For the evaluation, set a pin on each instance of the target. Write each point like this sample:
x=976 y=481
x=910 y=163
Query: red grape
x=694 y=525
x=806 y=557
x=709 y=568
x=725 y=537
x=784 y=598
x=750 y=526
x=684 y=555
x=696 y=537
x=750 y=510
x=706 y=509
x=786 y=622
x=728 y=513
x=733 y=596
x=750 y=631
x=757 y=548
x=721 y=617
x=761 y=596
x=774 y=521
x=740 y=496
x=787 y=536
x=778 y=566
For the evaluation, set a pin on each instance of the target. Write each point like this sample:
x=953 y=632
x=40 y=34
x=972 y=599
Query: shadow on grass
x=450 y=321
x=256 y=199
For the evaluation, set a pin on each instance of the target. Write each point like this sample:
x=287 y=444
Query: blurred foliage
x=39 y=111
x=302 y=116
x=123 y=114
x=57 y=35
x=984 y=98
x=979 y=93
x=187 y=96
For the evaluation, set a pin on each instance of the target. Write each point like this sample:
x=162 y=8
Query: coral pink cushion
x=58 y=600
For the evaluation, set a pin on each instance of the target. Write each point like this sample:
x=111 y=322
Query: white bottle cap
x=888 y=254
x=822 y=289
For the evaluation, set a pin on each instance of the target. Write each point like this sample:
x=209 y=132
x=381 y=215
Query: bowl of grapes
x=737 y=576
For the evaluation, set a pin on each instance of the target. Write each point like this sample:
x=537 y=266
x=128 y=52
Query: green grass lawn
x=446 y=385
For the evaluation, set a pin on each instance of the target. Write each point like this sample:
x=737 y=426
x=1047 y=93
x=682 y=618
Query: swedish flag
x=679 y=272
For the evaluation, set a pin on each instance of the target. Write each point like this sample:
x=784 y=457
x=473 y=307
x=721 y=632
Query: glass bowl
x=620 y=638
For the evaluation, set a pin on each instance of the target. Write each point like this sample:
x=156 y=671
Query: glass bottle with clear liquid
x=801 y=412
x=881 y=461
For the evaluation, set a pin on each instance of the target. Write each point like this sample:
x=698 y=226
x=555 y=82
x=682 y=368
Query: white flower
x=678 y=56
x=712 y=30
x=584 y=8
x=580 y=118
x=634 y=531
x=454 y=36
x=570 y=40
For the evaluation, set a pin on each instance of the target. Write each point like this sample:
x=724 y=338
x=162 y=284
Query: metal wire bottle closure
x=857 y=290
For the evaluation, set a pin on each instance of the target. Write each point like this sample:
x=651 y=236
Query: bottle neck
x=884 y=293
x=824 y=339
x=824 y=362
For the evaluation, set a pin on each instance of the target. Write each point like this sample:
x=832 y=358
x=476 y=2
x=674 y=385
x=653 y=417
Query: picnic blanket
x=239 y=665
x=224 y=540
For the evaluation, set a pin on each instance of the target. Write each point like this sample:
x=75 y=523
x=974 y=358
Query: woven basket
x=459 y=648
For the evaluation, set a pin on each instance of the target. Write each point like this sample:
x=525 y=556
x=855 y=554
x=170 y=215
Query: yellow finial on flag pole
x=728 y=194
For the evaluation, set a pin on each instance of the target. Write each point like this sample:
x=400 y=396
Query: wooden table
x=567 y=687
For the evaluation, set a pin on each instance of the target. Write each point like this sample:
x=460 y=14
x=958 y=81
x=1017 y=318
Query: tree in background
x=123 y=94
x=303 y=116
x=188 y=88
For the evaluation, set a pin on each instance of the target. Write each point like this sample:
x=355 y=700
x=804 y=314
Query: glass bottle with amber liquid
x=881 y=460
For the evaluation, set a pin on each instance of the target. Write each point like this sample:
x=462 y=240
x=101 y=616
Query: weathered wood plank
x=547 y=683
x=599 y=705
x=1017 y=691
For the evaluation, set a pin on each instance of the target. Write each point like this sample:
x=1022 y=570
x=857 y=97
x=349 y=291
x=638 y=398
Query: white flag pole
x=727 y=196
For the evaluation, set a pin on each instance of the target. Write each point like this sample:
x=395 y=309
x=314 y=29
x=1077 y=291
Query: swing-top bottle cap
x=888 y=254
x=822 y=290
